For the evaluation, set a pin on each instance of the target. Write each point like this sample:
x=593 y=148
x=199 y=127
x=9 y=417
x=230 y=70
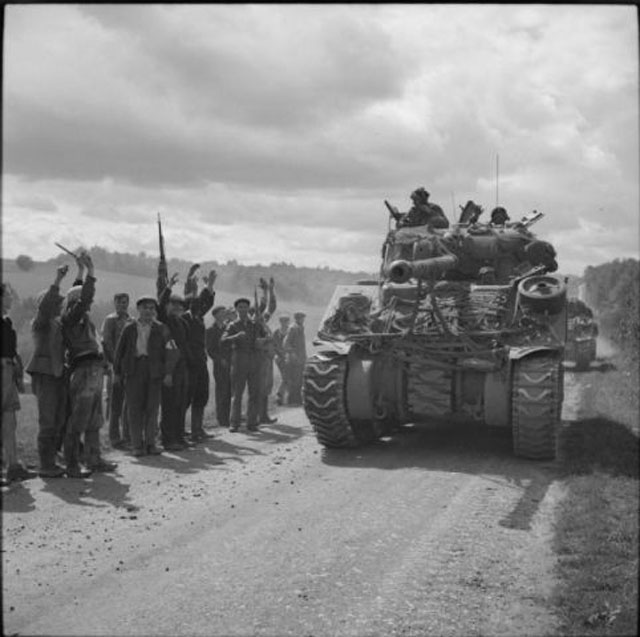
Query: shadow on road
x=584 y=445
x=18 y=499
x=103 y=487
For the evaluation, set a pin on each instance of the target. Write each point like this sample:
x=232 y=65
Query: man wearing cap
x=220 y=353
x=48 y=375
x=281 y=359
x=112 y=327
x=144 y=358
x=86 y=374
x=175 y=396
x=243 y=334
x=295 y=348
x=198 y=305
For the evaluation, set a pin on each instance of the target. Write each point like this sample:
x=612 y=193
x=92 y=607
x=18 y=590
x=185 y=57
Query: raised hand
x=192 y=270
x=173 y=280
x=211 y=279
x=263 y=284
x=271 y=283
x=61 y=272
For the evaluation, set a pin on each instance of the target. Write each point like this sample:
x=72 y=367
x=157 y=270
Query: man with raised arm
x=48 y=375
x=220 y=354
x=198 y=305
x=243 y=334
x=86 y=373
x=175 y=396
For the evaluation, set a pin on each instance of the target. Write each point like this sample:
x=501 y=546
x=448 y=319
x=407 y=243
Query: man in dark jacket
x=86 y=367
x=424 y=212
x=174 y=398
x=198 y=305
x=220 y=354
x=48 y=375
x=144 y=359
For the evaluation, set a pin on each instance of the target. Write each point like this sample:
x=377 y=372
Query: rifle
x=163 y=273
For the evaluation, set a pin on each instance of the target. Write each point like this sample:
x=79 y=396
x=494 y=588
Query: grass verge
x=596 y=534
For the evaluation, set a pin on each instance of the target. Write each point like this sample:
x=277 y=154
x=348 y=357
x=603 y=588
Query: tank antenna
x=497 y=178
x=453 y=206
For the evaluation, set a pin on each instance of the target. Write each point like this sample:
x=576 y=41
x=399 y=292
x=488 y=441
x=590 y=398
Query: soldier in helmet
x=423 y=212
x=499 y=216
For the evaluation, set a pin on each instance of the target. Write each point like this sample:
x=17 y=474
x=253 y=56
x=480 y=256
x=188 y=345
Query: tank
x=462 y=324
x=582 y=332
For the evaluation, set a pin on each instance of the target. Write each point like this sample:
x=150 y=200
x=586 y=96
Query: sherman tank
x=582 y=332
x=463 y=323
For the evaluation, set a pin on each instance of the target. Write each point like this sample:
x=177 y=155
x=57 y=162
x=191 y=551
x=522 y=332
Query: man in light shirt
x=144 y=360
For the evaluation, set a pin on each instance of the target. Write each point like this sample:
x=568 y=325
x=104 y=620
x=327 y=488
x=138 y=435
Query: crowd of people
x=155 y=366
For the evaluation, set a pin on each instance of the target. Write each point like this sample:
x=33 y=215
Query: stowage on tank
x=466 y=322
x=582 y=333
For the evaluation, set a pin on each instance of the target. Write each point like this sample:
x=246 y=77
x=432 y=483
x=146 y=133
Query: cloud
x=279 y=130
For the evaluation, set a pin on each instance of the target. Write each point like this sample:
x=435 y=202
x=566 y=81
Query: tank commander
x=499 y=216
x=423 y=212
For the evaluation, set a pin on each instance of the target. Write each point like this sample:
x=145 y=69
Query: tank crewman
x=48 y=375
x=112 y=327
x=198 y=305
x=295 y=348
x=220 y=353
x=280 y=356
x=143 y=361
x=174 y=396
x=499 y=216
x=86 y=375
x=243 y=334
x=12 y=385
x=423 y=212
x=266 y=350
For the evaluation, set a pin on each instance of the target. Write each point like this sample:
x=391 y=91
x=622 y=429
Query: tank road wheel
x=536 y=406
x=324 y=399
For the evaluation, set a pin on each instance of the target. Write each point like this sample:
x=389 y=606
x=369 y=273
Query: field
x=29 y=284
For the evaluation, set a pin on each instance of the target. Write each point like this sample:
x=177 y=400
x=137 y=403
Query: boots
x=72 y=457
x=48 y=466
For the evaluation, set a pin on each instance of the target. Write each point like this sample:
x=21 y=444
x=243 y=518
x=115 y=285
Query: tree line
x=312 y=286
x=613 y=290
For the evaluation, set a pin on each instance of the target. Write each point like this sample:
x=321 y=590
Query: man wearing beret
x=243 y=334
x=112 y=328
x=296 y=351
x=220 y=354
x=143 y=360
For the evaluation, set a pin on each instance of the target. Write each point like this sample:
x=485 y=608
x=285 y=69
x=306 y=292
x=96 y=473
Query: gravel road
x=429 y=532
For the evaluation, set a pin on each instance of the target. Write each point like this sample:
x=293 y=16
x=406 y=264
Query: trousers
x=143 y=404
x=174 y=405
x=245 y=372
x=51 y=395
x=85 y=417
x=222 y=380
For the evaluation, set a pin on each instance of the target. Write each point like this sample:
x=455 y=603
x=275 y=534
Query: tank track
x=323 y=397
x=536 y=405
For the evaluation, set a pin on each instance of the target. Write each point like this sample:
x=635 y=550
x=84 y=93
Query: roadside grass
x=596 y=533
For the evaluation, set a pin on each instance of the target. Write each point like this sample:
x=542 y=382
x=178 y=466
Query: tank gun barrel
x=401 y=271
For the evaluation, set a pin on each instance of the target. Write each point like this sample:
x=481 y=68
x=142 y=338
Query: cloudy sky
x=268 y=133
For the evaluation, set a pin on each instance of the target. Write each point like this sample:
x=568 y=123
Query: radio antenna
x=497 y=178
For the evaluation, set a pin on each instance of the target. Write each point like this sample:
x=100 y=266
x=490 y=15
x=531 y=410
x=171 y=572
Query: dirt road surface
x=429 y=532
